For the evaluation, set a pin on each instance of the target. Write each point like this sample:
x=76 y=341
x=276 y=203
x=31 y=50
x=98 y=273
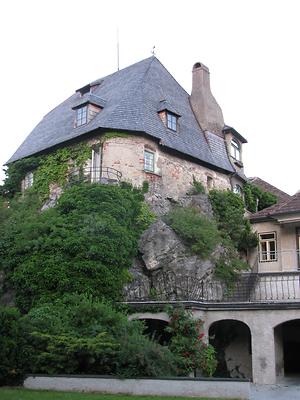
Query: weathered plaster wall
x=286 y=245
x=172 y=176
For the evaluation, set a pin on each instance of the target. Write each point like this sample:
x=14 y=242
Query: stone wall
x=172 y=176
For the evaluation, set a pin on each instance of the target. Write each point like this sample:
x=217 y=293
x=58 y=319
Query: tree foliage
x=229 y=211
x=188 y=345
x=257 y=199
x=78 y=334
x=83 y=245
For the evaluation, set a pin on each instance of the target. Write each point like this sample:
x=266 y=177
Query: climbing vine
x=47 y=169
x=54 y=167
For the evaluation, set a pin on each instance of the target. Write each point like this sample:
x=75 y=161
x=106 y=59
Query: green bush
x=187 y=343
x=14 y=353
x=140 y=356
x=84 y=245
x=77 y=334
x=257 y=199
x=198 y=232
x=229 y=265
x=198 y=187
x=229 y=211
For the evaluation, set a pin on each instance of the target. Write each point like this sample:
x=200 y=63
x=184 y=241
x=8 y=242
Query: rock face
x=161 y=249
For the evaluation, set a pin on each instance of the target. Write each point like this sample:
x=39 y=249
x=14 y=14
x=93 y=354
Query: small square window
x=81 y=116
x=172 y=121
x=149 y=161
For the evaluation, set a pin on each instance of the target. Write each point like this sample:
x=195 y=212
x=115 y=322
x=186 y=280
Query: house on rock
x=141 y=125
x=138 y=124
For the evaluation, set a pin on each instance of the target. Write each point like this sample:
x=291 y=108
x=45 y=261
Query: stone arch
x=232 y=341
x=287 y=349
x=155 y=324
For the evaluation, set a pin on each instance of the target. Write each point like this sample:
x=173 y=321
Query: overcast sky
x=50 y=48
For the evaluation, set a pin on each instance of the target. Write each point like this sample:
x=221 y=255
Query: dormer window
x=235 y=148
x=81 y=116
x=171 y=121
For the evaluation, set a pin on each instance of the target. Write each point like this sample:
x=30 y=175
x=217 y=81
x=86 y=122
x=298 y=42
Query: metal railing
x=105 y=175
x=250 y=287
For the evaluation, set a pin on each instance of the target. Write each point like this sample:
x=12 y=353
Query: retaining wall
x=189 y=387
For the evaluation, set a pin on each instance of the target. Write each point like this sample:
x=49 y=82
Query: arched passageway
x=155 y=328
x=232 y=341
x=287 y=349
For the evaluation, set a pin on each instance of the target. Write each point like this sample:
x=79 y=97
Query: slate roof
x=267 y=187
x=132 y=97
x=290 y=206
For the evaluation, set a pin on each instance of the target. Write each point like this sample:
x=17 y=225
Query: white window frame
x=267 y=255
x=235 y=150
x=81 y=116
x=149 y=161
x=171 y=121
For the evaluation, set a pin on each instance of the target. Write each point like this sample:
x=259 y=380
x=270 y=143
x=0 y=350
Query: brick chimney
x=207 y=111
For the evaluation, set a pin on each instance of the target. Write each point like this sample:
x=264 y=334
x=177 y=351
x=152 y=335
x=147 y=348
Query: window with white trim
x=267 y=247
x=235 y=149
x=28 y=180
x=81 y=116
x=149 y=158
x=171 y=122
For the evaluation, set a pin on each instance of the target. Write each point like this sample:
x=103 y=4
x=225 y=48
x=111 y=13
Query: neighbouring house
x=141 y=125
x=278 y=229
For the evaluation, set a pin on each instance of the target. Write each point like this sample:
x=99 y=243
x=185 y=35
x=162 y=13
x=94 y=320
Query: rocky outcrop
x=161 y=249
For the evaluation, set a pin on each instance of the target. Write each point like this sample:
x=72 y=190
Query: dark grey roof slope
x=131 y=97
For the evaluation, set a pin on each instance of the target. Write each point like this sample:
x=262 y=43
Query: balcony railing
x=249 y=288
x=105 y=175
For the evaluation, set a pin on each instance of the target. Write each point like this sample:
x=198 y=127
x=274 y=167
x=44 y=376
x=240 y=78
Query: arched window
x=235 y=150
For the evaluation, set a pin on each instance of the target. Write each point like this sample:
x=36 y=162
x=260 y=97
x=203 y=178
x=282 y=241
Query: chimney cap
x=199 y=65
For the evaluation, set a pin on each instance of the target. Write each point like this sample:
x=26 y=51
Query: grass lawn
x=24 y=394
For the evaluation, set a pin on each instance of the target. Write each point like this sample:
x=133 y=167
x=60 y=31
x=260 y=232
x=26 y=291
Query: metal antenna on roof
x=153 y=51
x=118 y=50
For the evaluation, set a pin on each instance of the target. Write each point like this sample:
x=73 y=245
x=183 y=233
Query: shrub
x=140 y=356
x=198 y=187
x=229 y=211
x=187 y=343
x=199 y=232
x=257 y=199
x=83 y=245
x=14 y=354
x=229 y=265
x=77 y=334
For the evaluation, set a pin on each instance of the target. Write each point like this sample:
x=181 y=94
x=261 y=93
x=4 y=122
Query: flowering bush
x=188 y=344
